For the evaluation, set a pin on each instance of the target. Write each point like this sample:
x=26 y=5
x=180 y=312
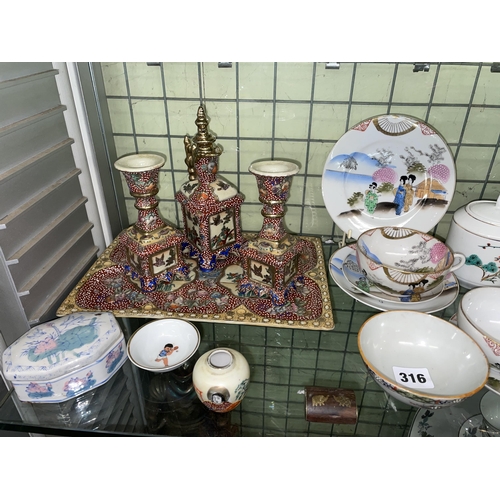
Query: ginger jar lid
x=61 y=346
x=481 y=217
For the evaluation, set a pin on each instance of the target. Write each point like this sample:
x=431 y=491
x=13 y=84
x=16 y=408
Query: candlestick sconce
x=274 y=260
x=153 y=248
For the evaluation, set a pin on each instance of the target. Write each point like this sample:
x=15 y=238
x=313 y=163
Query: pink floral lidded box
x=66 y=357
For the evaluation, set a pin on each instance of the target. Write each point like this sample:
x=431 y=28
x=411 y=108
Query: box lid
x=61 y=346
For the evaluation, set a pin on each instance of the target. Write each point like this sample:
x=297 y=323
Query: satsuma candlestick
x=274 y=259
x=153 y=248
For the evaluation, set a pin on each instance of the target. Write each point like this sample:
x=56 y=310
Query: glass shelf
x=139 y=403
x=121 y=408
x=283 y=361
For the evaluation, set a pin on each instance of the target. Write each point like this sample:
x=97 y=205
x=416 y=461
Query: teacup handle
x=461 y=261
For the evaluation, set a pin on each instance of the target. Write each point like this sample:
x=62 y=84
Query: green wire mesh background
x=298 y=111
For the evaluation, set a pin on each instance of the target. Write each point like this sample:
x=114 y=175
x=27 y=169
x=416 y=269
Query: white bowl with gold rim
x=422 y=360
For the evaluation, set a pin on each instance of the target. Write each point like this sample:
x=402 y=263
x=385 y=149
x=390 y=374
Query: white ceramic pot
x=475 y=232
x=220 y=378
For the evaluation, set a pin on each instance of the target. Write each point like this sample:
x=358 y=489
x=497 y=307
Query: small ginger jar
x=220 y=378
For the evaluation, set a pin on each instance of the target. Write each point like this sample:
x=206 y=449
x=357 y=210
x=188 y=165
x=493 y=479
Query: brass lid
x=202 y=144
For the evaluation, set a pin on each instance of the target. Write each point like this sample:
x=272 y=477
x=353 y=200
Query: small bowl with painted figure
x=422 y=360
x=163 y=345
x=399 y=259
x=478 y=315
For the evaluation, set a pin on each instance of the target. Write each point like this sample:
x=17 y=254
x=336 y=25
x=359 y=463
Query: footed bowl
x=422 y=360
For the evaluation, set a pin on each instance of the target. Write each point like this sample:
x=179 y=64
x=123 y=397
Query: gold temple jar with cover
x=211 y=206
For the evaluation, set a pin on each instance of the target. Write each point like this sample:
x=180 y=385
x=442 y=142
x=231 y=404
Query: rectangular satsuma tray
x=208 y=297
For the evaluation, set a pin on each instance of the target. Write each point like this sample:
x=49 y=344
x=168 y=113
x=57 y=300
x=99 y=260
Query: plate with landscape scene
x=389 y=170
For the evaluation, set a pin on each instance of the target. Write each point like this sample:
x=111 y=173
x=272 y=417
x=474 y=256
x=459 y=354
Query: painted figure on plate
x=400 y=194
x=371 y=198
x=409 y=192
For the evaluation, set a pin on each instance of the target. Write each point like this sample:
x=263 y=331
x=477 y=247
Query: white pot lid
x=481 y=217
x=487 y=211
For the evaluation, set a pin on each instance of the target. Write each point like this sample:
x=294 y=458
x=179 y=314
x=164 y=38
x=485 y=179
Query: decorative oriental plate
x=389 y=170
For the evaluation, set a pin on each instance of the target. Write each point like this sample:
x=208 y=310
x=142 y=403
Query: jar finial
x=205 y=139
x=201 y=145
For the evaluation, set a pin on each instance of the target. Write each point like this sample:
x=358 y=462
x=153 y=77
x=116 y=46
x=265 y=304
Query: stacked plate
x=389 y=170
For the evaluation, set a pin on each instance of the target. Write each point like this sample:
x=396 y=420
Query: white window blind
x=46 y=236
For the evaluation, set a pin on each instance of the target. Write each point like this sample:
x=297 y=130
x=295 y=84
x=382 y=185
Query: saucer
x=451 y=421
x=358 y=280
x=447 y=297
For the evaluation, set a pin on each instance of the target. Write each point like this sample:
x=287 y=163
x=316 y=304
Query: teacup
x=478 y=315
x=400 y=259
